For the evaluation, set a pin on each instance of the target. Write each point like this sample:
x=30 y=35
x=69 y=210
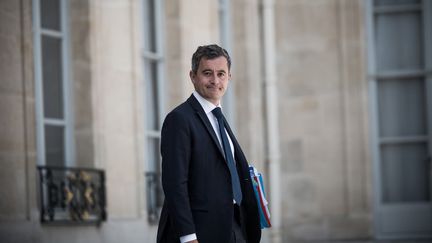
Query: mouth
x=213 y=88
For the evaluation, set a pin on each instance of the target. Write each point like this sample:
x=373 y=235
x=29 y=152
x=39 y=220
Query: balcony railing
x=72 y=195
x=154 y=195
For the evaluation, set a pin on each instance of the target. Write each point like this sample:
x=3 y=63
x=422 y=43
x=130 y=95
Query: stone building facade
x=338 y=133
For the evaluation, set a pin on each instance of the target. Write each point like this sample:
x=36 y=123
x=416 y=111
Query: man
x=205 y=177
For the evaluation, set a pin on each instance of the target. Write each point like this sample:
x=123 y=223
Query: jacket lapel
x=203 y=117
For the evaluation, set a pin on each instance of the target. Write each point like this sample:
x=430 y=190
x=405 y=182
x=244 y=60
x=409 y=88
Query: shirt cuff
x=187 y=238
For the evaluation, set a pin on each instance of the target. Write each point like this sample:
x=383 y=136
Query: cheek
x=225 y=85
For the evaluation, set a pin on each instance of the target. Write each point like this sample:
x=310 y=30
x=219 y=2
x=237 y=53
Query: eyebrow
x=206 y=70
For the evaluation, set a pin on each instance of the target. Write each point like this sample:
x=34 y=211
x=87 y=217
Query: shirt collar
x=205 y=104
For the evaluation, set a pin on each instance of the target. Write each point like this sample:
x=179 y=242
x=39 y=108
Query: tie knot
x=217 y=112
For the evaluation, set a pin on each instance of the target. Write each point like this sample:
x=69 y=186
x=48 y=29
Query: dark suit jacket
x=197 y=183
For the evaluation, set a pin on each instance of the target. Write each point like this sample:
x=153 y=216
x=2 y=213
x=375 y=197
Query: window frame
x=152 y=169
x=67 y=122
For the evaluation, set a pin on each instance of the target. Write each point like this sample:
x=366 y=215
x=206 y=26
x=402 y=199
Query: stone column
x=116 y=98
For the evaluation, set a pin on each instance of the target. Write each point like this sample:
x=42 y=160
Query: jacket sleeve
x=176 y=153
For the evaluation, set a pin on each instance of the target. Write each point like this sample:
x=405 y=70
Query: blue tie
x=235 y=182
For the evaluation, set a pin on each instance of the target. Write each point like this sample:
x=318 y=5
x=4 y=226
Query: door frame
x=373 y=112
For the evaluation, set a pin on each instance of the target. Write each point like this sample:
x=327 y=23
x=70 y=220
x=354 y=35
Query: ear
x=192 y=76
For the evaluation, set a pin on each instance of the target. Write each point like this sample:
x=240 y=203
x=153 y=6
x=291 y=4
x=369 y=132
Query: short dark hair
x=209 y=52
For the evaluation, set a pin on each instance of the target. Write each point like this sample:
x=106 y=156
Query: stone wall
x=248 y=80
x=106 y=74
x=322 y=103
x=188 y=24
x=323 y=109
x=17 y=119
x=115 y=78
x=82 y=81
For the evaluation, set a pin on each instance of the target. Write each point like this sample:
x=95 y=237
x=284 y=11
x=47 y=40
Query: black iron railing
x=72 y=195
x=154 y=195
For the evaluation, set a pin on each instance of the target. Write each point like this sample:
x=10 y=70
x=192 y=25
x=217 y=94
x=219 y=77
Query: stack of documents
x=258 y=186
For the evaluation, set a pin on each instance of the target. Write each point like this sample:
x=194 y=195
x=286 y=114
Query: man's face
x=211 y=78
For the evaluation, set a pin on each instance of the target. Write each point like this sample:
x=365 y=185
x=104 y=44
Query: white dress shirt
x=208 y=107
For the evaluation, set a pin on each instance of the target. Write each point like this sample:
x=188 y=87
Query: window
x=401 y=98
x=55 y=143
x=153 y=78
x=400 y=81
x=228 y=100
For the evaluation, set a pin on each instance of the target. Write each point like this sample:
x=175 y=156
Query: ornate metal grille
x=155 y=196
x=72 y=195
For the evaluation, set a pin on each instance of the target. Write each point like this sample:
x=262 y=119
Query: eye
x=221 y=75
x=207 y=73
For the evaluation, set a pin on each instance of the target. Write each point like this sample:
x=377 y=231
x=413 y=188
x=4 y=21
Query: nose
x=213 y=79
